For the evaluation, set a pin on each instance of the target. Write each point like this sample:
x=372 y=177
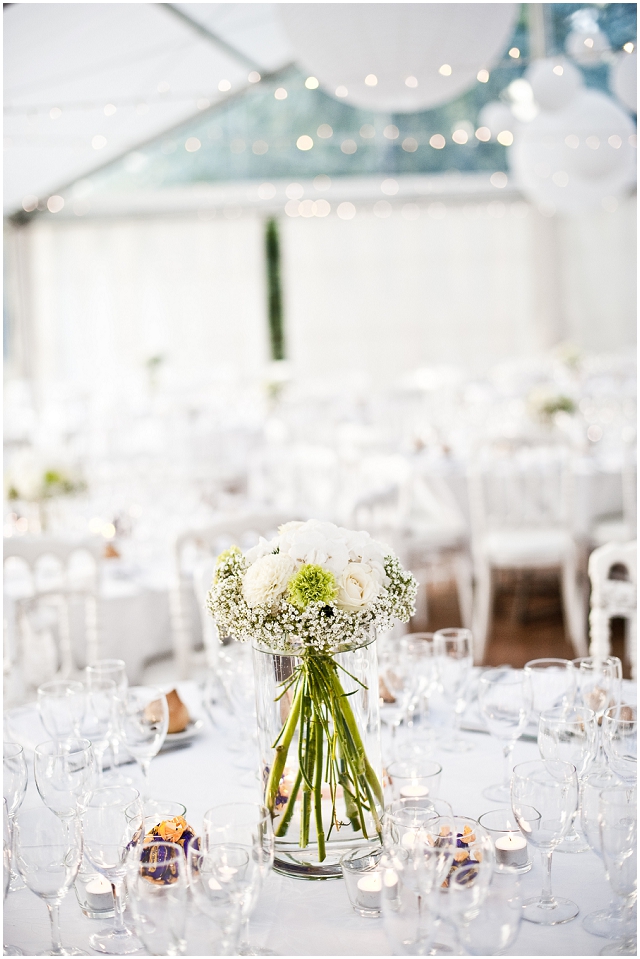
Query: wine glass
x=618 y=819
x=571 y=735
x=112 y=823
x=143 y=721
x=100 y=718
x=115 y=670
x=420 y=667
x=620 y=741
x=157 y=889
x=553 y=683
x=14 y=787
x=6 y=870
x=236 y=675
x=544 y=799
x=599 y=686
x=47 y=853
x=65 y=775
x=410 y=925
x=454 y=652
x=489 y=917
x=217 y=892
x=247 y=826
x=61 y=705
x=505 y=699
x=612 y=922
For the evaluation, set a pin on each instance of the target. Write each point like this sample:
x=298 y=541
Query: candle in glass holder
x=511 y=850
x=370 y=891
x=414 y=791
x=99 y=893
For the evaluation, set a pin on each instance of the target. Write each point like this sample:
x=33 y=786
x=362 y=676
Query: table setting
x=324 y=746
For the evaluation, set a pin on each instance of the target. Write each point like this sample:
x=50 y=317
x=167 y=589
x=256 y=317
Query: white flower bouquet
x=314 y=590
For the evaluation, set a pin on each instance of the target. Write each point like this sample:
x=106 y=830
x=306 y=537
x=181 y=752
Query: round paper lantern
x=496 y=116
x=397 y=57
x=624 y=79
x=555 y=82
x=570 y=160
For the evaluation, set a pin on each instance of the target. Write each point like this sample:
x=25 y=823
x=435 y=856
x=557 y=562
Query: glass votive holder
x=404 y=820
x=94 y=893
x=415 y=779
x=510 y=845
x=362 y=871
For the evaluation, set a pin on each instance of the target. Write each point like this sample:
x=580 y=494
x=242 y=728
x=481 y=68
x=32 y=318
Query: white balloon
x=555 y=82
x=571 y=159
x=624 y=79
x=587 y=46
x=496 y=116
x=437 y=47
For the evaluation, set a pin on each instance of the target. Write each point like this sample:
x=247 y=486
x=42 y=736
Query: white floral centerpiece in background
x=314 y=590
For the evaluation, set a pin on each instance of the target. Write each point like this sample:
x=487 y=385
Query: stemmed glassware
x=505 y=699
x=112 y=824
x=544 y=799
x=418 y=650
x=248 y=827
x=100 y=717
x=157 y=888
x=216 y=880
x=620 y=741
x=14 y=787
x=47 y=853
x=454 y=652
x=116 y=671
x=570 y=735
x=236 y=675
x=488 y=921
x=143 y=720
x=553 y=683
x=65 y=775
x=7 y=863
x=599 y=686
x=618 y=819
x=61 y=704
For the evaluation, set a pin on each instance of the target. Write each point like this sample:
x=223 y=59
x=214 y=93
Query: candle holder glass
x=506 y=836
x=363 y=876
x=419 y=779
x=95 y=902
x=405 y=820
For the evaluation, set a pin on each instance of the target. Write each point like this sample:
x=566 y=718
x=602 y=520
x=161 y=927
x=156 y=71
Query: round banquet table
x=298 y=918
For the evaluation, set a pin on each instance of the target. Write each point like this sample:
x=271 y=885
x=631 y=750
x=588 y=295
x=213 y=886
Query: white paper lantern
x=398 y=57
x=555 y=82
x=571 y=159
x=624 y=79
x=496 y=116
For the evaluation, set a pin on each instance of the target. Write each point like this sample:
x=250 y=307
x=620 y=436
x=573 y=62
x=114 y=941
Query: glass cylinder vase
x=320 y=761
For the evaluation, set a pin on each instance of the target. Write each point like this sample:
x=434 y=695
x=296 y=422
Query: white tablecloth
x=296 y=918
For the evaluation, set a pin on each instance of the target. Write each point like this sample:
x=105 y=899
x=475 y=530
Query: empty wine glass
x=420 y=668
x=157 y=890
x=544 y=799
x=614 y=921
x=112 y=824
x=116 y=671
x=61 y=705
x=504 y=698
x=618 y=819
x=100 y=717
x=599 y=686
x=454 y=652
x=143 y=720
x=409 y=918
x=620 y=740
x=488 y=919
x=65 y=775
x=571 y=735
x=236 y=675
x=553 y=683
x=248 y=827
x=14 y=787
x=47 y=853
x=217 y=892
x=6 y=871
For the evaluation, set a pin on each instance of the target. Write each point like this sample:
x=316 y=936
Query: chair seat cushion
x=540 y=546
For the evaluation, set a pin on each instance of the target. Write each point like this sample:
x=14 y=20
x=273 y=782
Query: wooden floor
x=527 y=620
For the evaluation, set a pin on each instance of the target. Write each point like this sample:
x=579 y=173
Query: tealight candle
x=369 y=891
x=414 y=791
x=99 y=893
x=511 y=850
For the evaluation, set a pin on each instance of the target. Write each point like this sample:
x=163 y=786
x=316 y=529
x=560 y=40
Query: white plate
x=192 y=730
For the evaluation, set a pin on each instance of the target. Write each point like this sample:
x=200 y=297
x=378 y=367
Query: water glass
x=620 y=741
x=454 y=653
x=65 y=775
x=47 y=853
x=143 y=720
x=61 y=704
x=157 y=888
x=100 y=717
x=505 y=701
x=553 y=684
x=619 y=842
x=544 y=799
x=14 y=787
x=216 y=880
x=488 y=917
x=415 y=779
x=112 y=825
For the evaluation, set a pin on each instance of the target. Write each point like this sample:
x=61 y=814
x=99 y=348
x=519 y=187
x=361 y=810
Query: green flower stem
x=309 y=757
x=282 y=750
x=283 y=825
x=317 y=798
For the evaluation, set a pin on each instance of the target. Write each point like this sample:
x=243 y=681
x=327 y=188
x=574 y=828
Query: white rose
x=267 y=579
x=357 y=587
